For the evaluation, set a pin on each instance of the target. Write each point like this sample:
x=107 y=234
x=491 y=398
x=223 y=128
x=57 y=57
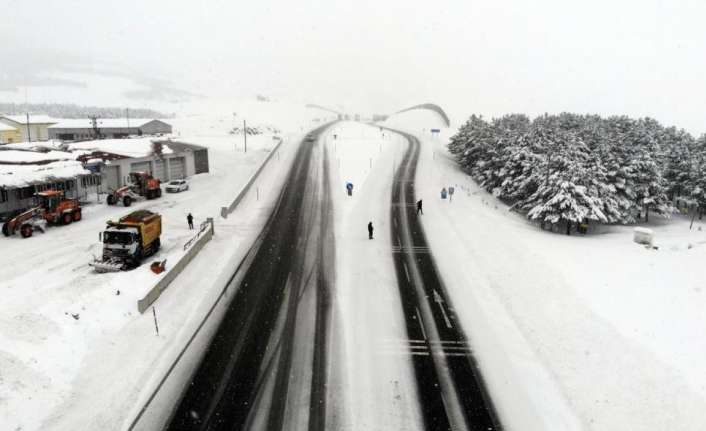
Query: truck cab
x=129 y=240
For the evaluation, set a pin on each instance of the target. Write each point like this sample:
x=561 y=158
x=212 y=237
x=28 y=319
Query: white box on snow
x=643 y=235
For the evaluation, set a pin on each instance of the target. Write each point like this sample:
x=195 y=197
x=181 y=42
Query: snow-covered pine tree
x=647 y=181
x=568 y=193
x=615 y=155
x=675 y=161
x=472 y=145
x=521 y=172
x=506 y=131
x=697 y=177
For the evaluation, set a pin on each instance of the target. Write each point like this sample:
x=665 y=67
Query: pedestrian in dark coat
x=419 y=207
x=190 y=220
x=370 y=230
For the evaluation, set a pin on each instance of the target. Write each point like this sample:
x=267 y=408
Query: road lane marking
x=407 y=249
x=421 y=324
x=440 y=302
x=406 y=272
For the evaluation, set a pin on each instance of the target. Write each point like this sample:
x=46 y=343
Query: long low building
x=31 y=127
x=106 y=128
x=164 y=159
x=24 y=173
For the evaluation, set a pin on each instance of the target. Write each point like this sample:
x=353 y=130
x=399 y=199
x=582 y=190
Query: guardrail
x=194 y=245
x=202 y=229
x=243 y=191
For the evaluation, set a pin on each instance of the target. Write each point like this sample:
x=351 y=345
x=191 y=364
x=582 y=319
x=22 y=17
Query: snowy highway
x=256 y=372
x=270 y=362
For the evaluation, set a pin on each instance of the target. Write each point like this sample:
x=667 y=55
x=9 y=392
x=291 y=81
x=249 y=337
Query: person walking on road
x=419 y=207
x=190 y=220
x=370 y=230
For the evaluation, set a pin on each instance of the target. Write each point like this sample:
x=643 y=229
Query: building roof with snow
x=4 y=127
x=33 y=119
x=36 y=146
x=23 y=157
x=133 y=148
x=15 y=176
x=108 y=123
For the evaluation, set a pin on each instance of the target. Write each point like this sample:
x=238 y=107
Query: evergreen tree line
x=573 y=169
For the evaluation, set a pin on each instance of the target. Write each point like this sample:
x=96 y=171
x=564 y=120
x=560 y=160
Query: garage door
x=201 y=161
x=111 y=177
x=159 y=171
x=140 y=167
x=177 y=168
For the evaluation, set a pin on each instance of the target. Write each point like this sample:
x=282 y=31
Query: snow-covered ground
x=63 y=372
x=571 y=332
x=574 y=332
x=378 y=389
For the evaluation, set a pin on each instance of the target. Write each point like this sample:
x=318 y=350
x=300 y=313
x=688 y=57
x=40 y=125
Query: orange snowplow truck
x=52 y=208
x=130 y=240
x=141 y=185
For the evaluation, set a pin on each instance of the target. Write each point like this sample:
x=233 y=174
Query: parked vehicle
x=176 y=186
x=52 y=207
x=141 y=185
x=127 y=242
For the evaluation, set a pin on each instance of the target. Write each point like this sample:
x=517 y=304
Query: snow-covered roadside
x=571 y=332
x=61 y=372
x=377 y=380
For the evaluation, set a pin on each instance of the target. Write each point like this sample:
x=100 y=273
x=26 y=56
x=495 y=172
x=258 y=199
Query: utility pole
x=245 y=136
x=127 y=115
x=29 y=133
x=94 y=124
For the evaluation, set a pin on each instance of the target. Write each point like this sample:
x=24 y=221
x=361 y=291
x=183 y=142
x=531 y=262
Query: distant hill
x=62 y=110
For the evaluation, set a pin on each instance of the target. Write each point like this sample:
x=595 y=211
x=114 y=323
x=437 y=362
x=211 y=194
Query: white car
x=177 y=186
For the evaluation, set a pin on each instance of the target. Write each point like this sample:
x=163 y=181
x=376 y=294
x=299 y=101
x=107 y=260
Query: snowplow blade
x=103 y=267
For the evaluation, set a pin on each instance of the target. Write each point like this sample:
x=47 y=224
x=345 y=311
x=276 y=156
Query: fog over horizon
x=639 y=58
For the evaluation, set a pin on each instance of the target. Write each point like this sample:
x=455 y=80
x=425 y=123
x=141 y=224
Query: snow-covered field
x=63 y=372
x=571 y=332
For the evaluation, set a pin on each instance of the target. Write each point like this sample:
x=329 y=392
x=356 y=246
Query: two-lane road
x=269 y=353
x=449 y=384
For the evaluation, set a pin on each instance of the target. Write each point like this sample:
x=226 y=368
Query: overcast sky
x=637 y=57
